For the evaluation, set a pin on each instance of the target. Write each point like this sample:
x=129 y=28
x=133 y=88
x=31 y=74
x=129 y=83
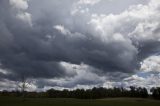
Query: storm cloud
x=73 y=43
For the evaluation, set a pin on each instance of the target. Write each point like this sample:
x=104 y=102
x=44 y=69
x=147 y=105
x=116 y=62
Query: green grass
x=11 y=101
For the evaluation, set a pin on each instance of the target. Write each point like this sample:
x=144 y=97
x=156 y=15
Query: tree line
x=94 y=93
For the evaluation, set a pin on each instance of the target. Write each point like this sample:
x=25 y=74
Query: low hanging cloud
x=42 y=40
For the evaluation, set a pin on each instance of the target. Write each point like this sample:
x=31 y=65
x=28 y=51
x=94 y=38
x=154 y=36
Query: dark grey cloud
x=19 y=44
x=148 y=49
x=37 y=35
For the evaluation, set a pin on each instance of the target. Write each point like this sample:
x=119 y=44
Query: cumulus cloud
x=26 y=17
x=151 y=80
x=89 y=2
x=78 y=6
x=79 y=78
x=62 y=29
x=20 y=4
x=77 y=46
x=151 y=64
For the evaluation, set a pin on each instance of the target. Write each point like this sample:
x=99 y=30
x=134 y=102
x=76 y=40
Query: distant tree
x=145 y=93
x=94 y=93
x=155 y=92
x=23 y=84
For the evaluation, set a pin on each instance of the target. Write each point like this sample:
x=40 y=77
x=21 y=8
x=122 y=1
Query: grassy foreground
x=11 y=101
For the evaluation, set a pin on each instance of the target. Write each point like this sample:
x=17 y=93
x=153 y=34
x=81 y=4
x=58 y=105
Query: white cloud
x=62 y=29
x=149 y=81
x=151 y=64
x=82 y=77
x=4 y=71
x=20 y=7
x=7 y=85
x=134 y=77
x=144 y=31
x=67 y=33
x=82 y=71
x=25 y=17
x=89 y=2
x=19 y=4
x=152 y=80
x=138 y=22
x=78 y=6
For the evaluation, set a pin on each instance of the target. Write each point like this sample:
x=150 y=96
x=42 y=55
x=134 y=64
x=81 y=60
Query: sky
x=69 y=44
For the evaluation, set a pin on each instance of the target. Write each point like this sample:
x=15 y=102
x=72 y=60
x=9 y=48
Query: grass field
x=10 y=101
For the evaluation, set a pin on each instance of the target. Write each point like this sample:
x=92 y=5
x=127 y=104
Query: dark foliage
x=155 y=92
x=95 y=93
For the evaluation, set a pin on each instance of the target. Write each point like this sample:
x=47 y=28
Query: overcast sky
x=79 y=43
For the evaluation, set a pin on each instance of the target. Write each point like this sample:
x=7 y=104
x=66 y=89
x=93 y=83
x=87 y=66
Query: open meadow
x=13 y=101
